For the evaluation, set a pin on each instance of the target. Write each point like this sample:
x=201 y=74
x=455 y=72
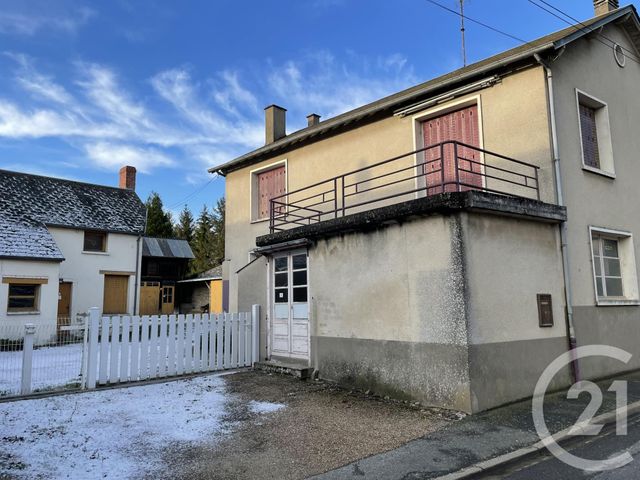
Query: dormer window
x=95 y=241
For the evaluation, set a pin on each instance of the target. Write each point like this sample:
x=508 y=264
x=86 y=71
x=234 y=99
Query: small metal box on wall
x=545 y=310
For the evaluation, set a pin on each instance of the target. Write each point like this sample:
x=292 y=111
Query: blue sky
x=176 y=87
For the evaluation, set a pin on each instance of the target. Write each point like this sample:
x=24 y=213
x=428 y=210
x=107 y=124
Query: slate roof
x=24 y=239
x=30 y=203
x=166 y=248
x=475 y=71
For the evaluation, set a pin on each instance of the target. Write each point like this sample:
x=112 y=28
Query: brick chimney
x=313 y=119
x=128 y=178
x=605 y=6
x=275 y=120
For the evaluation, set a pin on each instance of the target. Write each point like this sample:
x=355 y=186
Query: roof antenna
x=464 y=50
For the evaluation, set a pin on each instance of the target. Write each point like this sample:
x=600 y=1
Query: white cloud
x=320 y=83
x=202 y=122
x=39 y=85
x=233 y=96
x=17 y=23
x=101 y=86
x=176 y=87
x=112 y=156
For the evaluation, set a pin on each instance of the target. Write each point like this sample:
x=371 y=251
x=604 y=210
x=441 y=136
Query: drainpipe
x=137 y=280
x=571 y=332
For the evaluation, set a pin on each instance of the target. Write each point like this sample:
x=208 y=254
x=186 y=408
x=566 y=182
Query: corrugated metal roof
x=166 y=248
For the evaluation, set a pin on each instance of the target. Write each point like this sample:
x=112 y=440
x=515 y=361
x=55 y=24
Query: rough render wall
x=514 y=123
x=597 y=200
x=508 y=262
x=396 y=320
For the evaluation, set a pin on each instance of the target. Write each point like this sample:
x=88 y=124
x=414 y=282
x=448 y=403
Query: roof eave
x=605 y=20
x=32 y=258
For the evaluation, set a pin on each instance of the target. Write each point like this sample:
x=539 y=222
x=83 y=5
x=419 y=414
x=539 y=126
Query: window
x=281 y=280
x=23 y=298
x=267 y=184
x=606 y=261
x=614 y=267
x=95 y=241
x=589 y=134
x=595 y=135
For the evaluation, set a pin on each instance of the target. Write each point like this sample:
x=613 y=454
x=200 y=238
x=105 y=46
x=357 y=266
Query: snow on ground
x=264 y=407
x=117 y=433
x=52 y=367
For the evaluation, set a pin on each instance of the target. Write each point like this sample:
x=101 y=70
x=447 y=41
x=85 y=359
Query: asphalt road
x=606 y=445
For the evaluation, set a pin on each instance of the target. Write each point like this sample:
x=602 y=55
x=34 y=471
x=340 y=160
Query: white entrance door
x=290 y=296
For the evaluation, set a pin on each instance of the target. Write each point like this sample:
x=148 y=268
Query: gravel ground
x=321 y=428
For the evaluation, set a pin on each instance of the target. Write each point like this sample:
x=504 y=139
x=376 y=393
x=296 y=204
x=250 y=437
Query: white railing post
x=27 y=357
x=85 y=340
x=92 y=347
x=255 y=334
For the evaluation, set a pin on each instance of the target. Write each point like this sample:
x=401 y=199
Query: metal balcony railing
x=449 y=166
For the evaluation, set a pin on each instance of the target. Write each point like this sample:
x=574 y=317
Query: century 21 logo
x=583 y=425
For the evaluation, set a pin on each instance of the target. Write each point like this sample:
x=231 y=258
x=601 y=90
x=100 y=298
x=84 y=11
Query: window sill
x=35 y=312
x=605 y=302
x=260 y=220
x=598 y=171
x=85 y=252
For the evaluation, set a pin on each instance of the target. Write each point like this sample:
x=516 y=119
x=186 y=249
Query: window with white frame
x=614 y=266
x=595 y=135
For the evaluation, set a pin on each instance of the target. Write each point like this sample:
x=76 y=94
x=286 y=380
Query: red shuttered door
x=271 y=183
x=461 y=126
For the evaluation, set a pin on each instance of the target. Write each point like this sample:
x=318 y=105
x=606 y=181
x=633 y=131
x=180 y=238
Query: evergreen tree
x=158 y=221
x=217 y=218
x=203 y=242
x=184 y=227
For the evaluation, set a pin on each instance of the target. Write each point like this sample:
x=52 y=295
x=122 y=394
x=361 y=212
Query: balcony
x=449 y=166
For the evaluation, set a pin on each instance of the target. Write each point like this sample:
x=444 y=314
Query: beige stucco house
x=447 y=242
x=66 y=246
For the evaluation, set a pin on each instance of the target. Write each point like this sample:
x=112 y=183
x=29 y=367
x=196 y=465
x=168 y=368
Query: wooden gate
x=149 y=298
x=133 y=348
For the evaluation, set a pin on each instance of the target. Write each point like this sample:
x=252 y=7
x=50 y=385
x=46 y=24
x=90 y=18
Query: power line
x=192 y=194
x=585 y=26
x=466 y=17
x=585 y=29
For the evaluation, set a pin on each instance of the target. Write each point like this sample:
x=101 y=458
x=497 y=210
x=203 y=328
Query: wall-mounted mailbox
x=545 y=310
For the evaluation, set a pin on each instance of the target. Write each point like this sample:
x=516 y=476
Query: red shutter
x=589 y=136
x=462 y=126
x=271 y=183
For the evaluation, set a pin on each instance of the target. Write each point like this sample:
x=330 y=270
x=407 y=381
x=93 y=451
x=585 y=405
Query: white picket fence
x=110 y=350
x=134 y=348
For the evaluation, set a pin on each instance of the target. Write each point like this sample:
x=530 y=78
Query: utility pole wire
x=478 y=22
x=464 y=49
x=580 y=23
x=586 y=29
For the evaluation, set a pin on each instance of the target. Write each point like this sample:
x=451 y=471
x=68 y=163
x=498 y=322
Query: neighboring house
x=67 y=246
x=164 y=262
x=447 y=242
x=206 y=292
